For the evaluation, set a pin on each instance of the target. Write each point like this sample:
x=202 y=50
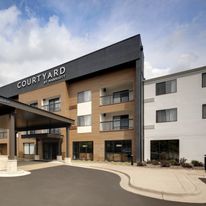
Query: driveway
x=71 y=186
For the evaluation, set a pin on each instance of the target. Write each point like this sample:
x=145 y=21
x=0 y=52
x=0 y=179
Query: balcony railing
x=3 y=135
x=54 y=107
x=111 y=99
x=116 y=125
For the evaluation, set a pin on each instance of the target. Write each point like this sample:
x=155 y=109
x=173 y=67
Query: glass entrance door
x=50 y=151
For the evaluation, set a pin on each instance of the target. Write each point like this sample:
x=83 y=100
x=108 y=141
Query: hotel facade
x=101 y=91
x=175 y=116
x=117 y=113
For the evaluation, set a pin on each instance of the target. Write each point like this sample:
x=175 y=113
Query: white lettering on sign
x=46 y=77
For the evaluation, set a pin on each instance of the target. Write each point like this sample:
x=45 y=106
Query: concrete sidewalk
x=181 y=185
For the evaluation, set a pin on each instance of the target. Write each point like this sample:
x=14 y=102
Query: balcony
x=54 y=107
x=117 y=97
x=116 y=125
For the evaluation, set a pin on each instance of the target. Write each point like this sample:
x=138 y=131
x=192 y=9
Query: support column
x=59 y=156
x=12 y=162
x=12 y=136
x=37 y=157
x=67 y=158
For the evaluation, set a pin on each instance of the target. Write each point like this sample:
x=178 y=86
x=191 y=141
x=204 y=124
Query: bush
x=182 y=161
x=174 y=162
x=149 y=161
x=155 y=162
x=187 y=165
x=165 y=163
x=196 y=163
x=141 y=164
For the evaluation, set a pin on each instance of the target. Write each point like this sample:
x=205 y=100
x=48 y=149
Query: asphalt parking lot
x=71 y=186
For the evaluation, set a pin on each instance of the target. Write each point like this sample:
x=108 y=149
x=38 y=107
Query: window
x=84 y=96
x=84 y=120
x=167 y=115
x=164 y=150
x=118 y=150
x=54 y=131
x=121 y=122
x=54 y=105
x=83 y=150
x=122 y=96
x=204 y=111
x=28 y=148
x=204 y=80
x=166 y=87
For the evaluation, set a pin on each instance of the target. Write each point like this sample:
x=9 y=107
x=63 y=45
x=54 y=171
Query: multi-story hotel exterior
x=101 y=91
x=175 y=115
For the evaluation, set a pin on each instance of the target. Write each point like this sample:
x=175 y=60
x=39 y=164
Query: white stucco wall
x=190 y=128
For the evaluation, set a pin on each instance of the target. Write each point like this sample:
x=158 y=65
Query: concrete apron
x=8 y=168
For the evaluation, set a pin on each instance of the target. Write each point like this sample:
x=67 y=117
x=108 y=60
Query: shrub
x=196 y=163
x=174 y=162
x=165 y=163
x=187 y=165
x=182 y=161
x=141 y=164
x=155 y=162
x=149 y=161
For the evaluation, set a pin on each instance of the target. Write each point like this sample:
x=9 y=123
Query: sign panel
x=45 y=77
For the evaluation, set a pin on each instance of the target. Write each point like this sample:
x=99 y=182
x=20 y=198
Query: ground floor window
x=28 y=148
x=83 y=150
x=164 y=149
x=118 y=150
x=3 y=149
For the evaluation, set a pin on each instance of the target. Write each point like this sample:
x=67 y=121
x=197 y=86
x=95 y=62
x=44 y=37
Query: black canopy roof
x=31 y=118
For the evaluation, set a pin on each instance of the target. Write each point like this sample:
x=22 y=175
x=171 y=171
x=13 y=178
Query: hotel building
x=175 y=116
x=101 y=91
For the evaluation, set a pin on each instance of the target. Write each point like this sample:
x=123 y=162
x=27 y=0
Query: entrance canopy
x=18 y=117
x=31 y=118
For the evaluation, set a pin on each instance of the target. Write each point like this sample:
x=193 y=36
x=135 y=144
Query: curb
x=139 y=190
x=196 y=192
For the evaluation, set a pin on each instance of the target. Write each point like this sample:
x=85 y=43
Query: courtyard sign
x=46 y=77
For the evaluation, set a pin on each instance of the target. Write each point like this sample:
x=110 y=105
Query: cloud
x=151 y=72
x=37 y=37
x=32 y=47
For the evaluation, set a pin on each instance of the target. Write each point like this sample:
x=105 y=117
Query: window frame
x=85 y=125
x=203 y=115
x=29 y=145
x=166 y=85
x=166 y=114
x=203 y=84
x=79 y=101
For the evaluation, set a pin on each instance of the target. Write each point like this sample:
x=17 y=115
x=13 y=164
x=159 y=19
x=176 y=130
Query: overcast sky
x=37 y=35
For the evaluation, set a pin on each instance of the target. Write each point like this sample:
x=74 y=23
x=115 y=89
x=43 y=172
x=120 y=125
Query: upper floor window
x=166 y=87
x=84 y=120
x=204 y=111
x=166 y=115
x=52 y=105
x=121 y=96
x=204 y=80
x=84 y=96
